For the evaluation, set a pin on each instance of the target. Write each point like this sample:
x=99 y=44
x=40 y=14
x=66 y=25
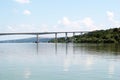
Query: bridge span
x=43 y=33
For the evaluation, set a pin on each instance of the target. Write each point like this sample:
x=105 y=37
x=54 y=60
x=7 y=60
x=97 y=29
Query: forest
x=98 y=36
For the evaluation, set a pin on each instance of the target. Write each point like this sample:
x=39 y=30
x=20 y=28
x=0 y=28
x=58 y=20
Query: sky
x=58 y=15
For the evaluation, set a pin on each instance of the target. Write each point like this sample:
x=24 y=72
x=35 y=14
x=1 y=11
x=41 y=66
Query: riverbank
x=98 y=36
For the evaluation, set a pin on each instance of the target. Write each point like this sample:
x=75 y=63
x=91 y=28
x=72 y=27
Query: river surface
x=50 y=61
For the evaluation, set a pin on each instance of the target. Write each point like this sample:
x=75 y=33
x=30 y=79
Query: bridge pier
x=66 y=37
x=81 y=33
x=73 y=37
x=56 y=38
x=37 y=41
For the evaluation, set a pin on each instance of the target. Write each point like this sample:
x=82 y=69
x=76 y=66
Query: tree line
x=98 y=36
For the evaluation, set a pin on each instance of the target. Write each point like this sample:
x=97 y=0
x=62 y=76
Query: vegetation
x=98 y=36
x=62 y=40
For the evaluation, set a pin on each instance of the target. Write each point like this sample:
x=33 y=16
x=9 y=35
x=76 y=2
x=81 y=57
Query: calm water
x=49 y=61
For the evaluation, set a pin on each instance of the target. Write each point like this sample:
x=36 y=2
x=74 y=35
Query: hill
x=98 y=36
x=26 y=40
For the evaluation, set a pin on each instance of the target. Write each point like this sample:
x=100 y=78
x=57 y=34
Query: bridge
x=43 y=33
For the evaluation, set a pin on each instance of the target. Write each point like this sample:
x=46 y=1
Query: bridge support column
x=66 y=37
x=73 y=37
x=37 y=41
x=56 y=38
x=81 y=33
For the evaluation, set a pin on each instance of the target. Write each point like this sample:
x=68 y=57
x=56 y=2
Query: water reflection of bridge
x=44 y=33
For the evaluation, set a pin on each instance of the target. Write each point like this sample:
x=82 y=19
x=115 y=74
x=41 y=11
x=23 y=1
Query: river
x=59 y=61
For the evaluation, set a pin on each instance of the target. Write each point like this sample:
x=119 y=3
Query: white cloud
x=23 y=1
x=111 y=18
x=44 y=27
x=87 y=21
x=110 y=15
x=10 y=28
x=84 y=24
x=66 y=24
x=66 y=21
x=28 y=28
x=20 y=28
x=27 y=12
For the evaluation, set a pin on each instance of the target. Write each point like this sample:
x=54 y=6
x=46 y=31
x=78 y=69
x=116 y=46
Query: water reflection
x=105 y=49
x=56 y=48
x=37 y=48
x=59 y=61
x=89 y=62
x=111 y=68
x=70 y=61
x=27 y=74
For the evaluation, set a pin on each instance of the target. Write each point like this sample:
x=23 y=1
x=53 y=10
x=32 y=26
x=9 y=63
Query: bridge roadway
x=43 y=33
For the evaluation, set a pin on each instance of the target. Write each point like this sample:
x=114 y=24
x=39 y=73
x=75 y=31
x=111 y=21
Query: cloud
x=21 y=28
x=110 y=15
x=111 y=18
x=66 y=21
x=87 y=21
x=24 y=27
x=66 y=24
x=27 y=12
x=23 y=1
x=84 y=24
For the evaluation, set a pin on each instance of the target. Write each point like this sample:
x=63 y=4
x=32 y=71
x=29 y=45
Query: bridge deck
x=41 y=33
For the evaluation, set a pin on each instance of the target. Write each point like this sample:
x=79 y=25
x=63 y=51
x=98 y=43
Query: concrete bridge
x=43 y=33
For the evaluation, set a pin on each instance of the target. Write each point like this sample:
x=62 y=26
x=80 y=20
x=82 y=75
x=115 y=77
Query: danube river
x=61 y=61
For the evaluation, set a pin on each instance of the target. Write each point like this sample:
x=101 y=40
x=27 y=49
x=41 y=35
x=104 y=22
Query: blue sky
x=58 y=15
